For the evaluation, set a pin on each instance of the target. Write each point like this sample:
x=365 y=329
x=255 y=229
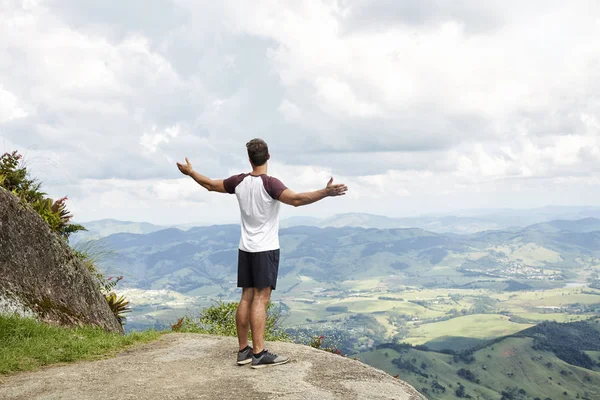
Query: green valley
x=548 y=361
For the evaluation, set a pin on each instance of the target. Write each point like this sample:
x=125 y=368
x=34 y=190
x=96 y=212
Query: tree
x=460 y=392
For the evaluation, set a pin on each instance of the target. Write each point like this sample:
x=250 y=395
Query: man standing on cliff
x=258 y=195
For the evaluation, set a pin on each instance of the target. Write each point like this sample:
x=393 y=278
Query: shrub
x=219 y=319
x=460 y=392
x=15 y=178
x=317 y=343
x=467 y=374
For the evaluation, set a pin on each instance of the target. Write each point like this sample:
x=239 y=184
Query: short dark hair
x=258 y=151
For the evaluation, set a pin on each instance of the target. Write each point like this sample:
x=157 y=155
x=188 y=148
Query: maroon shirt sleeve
x=231 y=183
x=273 y=186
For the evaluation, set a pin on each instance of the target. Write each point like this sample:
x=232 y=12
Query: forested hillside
x=548 y=361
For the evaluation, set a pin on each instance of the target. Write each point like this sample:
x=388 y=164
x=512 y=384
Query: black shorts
x=258 y=270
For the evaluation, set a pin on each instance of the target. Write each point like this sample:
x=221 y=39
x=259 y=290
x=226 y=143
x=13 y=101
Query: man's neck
x=259 y=170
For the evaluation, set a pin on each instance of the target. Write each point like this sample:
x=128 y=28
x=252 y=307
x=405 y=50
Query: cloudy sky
x=418 y=105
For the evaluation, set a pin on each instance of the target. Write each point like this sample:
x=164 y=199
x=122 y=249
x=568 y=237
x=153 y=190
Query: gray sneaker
x=268 y=359
x=244 y=357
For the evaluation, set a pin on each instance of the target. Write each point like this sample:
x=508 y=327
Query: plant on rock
x=90 y=254
x=15 y=179
x=119 y=306
x=57 y=216
x=317 y=343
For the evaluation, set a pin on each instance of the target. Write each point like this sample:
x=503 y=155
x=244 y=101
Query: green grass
x=595 y=355
x=26 y=344
x=558 y=317
x=479 y=326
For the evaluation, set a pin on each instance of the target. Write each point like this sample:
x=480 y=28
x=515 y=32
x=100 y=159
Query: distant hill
x=107 y=227
x=362 y=221
x=462 y=222
x=299 y=221
x=524 y=217
x=557 y=235
x=207 y=256
x=550 y=360
x=584 y=225
x=371 y=221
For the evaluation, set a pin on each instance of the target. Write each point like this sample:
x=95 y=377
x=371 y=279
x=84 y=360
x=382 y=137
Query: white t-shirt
x=258 y=198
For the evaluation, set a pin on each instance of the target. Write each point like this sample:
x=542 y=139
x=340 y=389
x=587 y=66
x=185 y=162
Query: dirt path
x=188 y=366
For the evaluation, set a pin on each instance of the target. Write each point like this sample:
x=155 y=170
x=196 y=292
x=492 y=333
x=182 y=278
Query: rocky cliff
x=39 y=274
x=190 y=366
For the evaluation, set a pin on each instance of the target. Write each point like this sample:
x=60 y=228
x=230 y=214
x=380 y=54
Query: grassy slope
x=26 y=344
x=479 y=326
x=511 y=363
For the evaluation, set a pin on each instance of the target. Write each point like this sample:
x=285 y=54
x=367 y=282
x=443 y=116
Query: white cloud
x=9 y=108
x=338 y=96
x=591 y=122
x=151 y=141
x=290 y=111
x=487 y=102
x=178 y=201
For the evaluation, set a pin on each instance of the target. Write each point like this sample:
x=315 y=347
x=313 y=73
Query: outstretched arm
x=303 y=199
x=209 y=184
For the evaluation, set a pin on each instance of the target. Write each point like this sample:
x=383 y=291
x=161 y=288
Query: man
x=258 y=195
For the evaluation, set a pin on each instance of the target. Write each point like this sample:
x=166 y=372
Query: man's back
x=258 y=198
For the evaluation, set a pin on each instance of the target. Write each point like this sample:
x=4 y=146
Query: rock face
x=41 y=277
x=189 y=366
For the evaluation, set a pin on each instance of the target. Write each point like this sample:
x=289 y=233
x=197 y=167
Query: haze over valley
x=408 y=279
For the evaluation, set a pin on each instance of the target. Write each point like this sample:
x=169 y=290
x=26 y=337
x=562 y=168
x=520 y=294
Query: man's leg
x=258 y=317
x=242 y=316
x=265 y=277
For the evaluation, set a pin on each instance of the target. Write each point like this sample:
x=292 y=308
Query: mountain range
x=468 y=221
x=206 y=257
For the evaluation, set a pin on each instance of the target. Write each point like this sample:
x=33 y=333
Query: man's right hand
x=186 y=168
x=302 y=199
x=335 y=190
